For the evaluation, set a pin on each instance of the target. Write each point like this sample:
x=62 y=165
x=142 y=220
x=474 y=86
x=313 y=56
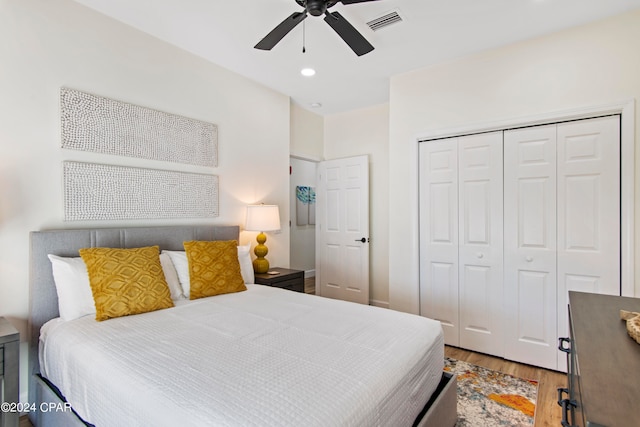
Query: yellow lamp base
x=260 y=264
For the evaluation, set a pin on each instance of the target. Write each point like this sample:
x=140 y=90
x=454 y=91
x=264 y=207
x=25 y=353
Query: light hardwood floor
x=310 y=285
x=548 y=412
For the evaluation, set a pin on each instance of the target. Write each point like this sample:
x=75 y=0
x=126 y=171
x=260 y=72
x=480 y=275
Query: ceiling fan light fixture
x=336 y=21
x=316 y=7
x=308 y=72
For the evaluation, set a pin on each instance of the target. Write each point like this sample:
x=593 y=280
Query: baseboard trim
x=377 y=303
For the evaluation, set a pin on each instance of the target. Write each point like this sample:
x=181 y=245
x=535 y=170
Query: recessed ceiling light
x=307 y=72
x=316 y=105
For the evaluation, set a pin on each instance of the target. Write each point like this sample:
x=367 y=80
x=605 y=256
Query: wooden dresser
x=604 y=363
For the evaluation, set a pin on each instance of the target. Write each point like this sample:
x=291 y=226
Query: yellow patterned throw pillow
x=126 y=281
x=214 y=268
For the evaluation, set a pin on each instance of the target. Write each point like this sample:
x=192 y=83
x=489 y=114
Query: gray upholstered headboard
x=44 y=299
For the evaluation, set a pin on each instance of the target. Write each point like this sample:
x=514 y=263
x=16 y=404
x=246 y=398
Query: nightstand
x=9 y=372
x=285 y=279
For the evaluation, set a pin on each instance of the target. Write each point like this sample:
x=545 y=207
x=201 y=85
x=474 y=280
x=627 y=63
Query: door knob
x=363 y=240
x=529 y=258
x=480 y=255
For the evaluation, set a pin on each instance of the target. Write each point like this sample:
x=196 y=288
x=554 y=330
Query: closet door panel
x=480 y=244
x=439 y=235
x=533 y=292
x=588 y=211
x=509 y=223
x=530 y=245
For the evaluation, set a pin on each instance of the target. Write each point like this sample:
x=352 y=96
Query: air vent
x=385 y=20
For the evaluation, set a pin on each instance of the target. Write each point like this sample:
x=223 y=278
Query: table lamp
x=262 y=218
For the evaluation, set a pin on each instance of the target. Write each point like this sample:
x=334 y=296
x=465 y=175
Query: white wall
x=366 y=131
x=302 y=237
x=587 y=66
x=49 y=44
x=307 y=133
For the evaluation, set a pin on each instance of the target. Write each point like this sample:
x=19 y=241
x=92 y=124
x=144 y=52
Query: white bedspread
x=263 y=357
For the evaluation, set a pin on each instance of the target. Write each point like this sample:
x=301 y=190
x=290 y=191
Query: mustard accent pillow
x=214 y=268
x=126 y=281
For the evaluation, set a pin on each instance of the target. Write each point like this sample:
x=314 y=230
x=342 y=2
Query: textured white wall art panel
x=105 y=192
x=98 y=124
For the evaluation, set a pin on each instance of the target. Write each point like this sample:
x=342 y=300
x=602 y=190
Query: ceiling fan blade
x=272 y=39
x=354 y=1
x=349 y=34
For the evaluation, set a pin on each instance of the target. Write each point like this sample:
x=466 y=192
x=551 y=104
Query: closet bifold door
x=480 y=271
x=530 y=245
x=561 y=229
x=588 y=212
x=461 y=239
x=438 y=188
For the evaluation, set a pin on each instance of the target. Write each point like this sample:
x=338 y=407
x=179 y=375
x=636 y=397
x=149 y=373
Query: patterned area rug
x=488 y=398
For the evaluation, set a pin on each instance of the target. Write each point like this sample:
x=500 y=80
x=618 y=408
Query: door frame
x=626 y=109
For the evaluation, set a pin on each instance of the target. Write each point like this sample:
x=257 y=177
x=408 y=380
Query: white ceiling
x=225 y=31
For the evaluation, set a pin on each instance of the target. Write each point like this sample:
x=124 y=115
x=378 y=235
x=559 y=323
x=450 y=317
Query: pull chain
x=304 y=36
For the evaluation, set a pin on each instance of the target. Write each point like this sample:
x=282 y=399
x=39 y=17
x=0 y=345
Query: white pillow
x=72 y=286
x=181 y=264
x=246 y=266
x=171 y=276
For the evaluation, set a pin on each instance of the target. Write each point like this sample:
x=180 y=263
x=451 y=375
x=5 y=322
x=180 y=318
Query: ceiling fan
x=340 y=25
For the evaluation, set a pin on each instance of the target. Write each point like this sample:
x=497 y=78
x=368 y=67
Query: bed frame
x=438 y=412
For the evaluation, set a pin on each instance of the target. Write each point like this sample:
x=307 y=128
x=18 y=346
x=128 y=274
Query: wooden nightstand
x=9 y=371
x=286 y=279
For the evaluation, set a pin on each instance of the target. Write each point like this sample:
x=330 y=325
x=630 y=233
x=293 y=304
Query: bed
x=263 y=356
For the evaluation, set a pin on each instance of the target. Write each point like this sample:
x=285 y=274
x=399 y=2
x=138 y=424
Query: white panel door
x=588 y=212
x=342 y=229
x=530 y=245
x=439 y=235
x=480 y=237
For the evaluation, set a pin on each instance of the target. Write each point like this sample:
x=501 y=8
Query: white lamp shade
x=262 y=218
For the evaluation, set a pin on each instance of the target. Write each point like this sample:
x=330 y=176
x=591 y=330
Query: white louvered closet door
x=530 y=245
x=439 y=235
